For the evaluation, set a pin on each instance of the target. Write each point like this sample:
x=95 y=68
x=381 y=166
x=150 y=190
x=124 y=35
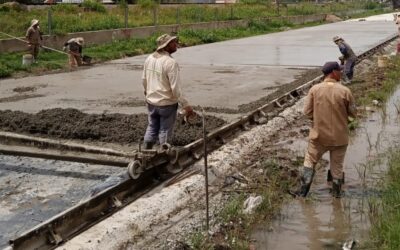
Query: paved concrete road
x=223 y=75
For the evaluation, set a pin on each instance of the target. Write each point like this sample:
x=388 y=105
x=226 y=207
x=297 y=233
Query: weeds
x=386 y=213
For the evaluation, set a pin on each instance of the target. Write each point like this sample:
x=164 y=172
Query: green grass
x=91 y=15
x=385 y=232
x=381 y=90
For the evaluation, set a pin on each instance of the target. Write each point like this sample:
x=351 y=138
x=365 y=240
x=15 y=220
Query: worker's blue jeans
x=161 y=123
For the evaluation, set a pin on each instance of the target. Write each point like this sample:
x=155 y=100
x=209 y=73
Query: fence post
x=49 y=20
x=178 y=21
x=231 y=12
x=155 y=16
x=216 y=14
x=126 y=15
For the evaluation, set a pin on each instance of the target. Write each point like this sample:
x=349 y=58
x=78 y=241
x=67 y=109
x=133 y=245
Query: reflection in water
x=323 y=222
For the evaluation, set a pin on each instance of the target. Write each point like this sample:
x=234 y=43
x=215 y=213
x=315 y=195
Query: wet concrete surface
x=229 y=73
x=33 y=190
x=323 y=222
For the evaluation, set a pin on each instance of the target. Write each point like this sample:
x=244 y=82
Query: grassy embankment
x=385 y=219
x=385 y=215
x=10 y=63
x=67 y=18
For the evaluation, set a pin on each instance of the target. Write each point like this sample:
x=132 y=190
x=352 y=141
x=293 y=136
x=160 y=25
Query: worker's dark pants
x=398 y=48
x=74 y=59
x=34 y=50
x=348 y=68
x=161 y=123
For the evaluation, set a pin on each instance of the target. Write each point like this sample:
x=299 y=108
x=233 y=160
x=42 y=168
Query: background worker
x=162 y=89
x=348 y=59
x=34 y=38
x=329 y=105
x=397 y=21
x=74 y=48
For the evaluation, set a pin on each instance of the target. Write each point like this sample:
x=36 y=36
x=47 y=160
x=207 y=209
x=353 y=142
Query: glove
x=341 y=58
x=188 y=111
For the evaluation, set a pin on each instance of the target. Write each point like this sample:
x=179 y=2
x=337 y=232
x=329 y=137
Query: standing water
x=322 y=222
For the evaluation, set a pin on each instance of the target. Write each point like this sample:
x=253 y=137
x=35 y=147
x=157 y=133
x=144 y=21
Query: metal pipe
x=206 y=170
x=45 y=47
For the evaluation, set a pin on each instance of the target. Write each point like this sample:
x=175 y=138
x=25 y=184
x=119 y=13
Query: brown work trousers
x=315 y=151
x=74 y=59
x=34 y=50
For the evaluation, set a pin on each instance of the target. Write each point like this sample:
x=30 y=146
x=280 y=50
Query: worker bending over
x=74 y=49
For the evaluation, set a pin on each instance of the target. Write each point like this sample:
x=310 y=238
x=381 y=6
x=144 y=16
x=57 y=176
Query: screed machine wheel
x=134 y=169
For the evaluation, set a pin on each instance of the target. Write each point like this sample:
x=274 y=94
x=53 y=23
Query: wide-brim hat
x=164 y=40
x=336 y=38
x=80 y=40
x=34 y=22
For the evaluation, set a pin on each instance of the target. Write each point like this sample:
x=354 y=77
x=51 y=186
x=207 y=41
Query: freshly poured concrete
x=222 y=75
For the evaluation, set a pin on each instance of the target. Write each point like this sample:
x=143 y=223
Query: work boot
x=148 y=145
x=345 y=80
x=305 y=182
x=337 y=188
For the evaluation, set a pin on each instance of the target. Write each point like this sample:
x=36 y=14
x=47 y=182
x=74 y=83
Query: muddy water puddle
x=323 y=222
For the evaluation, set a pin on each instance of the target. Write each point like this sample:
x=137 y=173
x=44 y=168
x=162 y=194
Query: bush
x=147 y=4
x=4 y=71
x=371 y=5
x=65 y=8
x=94 y=6
x=4 y=8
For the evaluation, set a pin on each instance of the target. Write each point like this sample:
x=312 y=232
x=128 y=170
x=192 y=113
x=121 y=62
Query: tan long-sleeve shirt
x=329 y=104
x=161 y=80
x=33 y=35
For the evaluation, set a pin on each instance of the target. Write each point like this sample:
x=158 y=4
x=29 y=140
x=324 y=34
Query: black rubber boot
x=329 y=177
x=148 y=145
x=305 y=183
x=337 y=188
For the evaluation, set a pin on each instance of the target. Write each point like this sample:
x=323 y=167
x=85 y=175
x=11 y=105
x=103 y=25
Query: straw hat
x=336 y=38
x=79 y=40
x=164 y=40
x=34 y=22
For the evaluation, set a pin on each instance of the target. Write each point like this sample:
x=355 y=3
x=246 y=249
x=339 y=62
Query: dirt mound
x=113 y=128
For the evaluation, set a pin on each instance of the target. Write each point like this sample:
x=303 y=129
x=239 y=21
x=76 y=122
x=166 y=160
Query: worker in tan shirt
x=329 y=105
x=162 y=88
x=34 y=38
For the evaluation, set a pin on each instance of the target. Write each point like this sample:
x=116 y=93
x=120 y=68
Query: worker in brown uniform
x=329 y=105
x=74 y=48
x=34 y=38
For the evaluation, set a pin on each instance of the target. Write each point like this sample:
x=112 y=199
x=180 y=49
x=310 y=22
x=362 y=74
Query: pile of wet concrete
x=111 y=128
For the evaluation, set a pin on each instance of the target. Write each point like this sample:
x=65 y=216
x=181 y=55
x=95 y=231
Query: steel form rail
x=78 y=218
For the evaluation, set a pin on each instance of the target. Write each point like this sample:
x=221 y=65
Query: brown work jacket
x=329 y=104
x=33 y=35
